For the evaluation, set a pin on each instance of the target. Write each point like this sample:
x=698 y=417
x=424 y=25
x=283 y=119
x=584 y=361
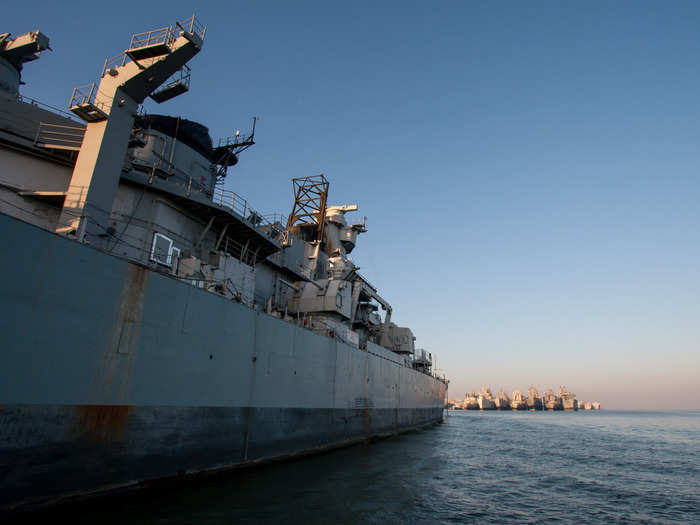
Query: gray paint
x=42 y=444
x=181 y=380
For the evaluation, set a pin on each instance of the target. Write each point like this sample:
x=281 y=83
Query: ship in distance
x=551 y=401
x=154 y=324
x=486 y=401
x=568 y=399
x=534 y=401
x=565 y=400
x=502 y=401
x=470 y=402
x=518 y=402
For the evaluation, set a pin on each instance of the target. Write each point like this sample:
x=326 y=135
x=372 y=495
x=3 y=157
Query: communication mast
x=226 y=153
x=309 y=211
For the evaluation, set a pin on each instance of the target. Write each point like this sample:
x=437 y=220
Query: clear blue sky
x=530 y=170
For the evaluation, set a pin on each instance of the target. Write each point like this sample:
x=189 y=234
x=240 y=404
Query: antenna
x=228 y=149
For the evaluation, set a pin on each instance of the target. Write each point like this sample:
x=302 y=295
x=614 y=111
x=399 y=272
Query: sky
x=529 y=171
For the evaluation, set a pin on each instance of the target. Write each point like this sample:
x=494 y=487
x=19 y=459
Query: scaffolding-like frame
x=310 y=197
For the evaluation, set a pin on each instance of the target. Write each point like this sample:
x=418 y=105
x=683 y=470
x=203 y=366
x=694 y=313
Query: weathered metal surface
x=116 y=375
x=102 y=423
x=111 y=382
x=162 y=442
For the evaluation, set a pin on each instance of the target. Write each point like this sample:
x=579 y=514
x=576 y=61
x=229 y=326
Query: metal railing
x=163 y=35
x=238 y=250
x=34 y=102
x=85 y=95
x=194 y=26
x=236 y=203
x=229 y=199
x=234 y=140
x=182 y=76
x=56 y=135
x=167 y=35
x=274 y=218
x=116 y=61
x=226 y=199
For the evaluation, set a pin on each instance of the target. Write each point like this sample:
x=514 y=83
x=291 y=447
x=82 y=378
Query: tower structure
x=309 y=211
x=154 y=65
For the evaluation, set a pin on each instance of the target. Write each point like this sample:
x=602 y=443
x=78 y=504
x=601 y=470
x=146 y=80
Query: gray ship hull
x=116 y=375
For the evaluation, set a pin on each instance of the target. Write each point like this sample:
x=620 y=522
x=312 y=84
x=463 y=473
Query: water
x=491 y=467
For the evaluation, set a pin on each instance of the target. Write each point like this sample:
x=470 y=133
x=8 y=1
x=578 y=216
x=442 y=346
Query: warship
x=568 y=399
x=551 y=401
x=471 y=401
x=454 y=404
x=534 y=401
x=485 y=399
x=502 y=401
x=155 y=325
x=518 y=401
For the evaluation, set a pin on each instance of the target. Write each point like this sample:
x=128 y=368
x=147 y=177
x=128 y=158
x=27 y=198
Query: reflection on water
x=493 y=467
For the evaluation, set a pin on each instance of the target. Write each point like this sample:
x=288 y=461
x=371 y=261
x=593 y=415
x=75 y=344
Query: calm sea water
x=492 y=467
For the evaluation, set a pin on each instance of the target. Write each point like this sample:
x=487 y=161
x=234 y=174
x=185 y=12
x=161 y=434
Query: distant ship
x=502 y=401
x=552 y=401
x=534 y=401
x=568 y=399
x=471 y=402
x=486 y=401
x=518 y=401
x=565 y=400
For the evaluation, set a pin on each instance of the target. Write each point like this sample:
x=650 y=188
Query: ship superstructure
x=551 y=401
x=518 y=401
x=565 y=400
x=471 y=401
x=534 y=401
x=568 y=399
x=486 y=401
x=155 y=323
x=502 y=401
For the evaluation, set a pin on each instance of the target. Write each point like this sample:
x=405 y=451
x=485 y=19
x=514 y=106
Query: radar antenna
x=226 y=153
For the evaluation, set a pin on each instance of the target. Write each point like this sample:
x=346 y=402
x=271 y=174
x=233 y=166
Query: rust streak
x=112 y=380
x=102 y=423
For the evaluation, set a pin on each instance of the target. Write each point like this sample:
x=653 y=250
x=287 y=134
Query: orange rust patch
x=102 y=422
x=135 y=288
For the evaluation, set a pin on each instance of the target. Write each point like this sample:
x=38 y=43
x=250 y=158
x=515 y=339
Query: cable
x=138 y=203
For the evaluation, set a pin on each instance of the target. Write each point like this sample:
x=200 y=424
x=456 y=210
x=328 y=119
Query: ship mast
x=154 y=65
x=226 y=153
x=309 y=210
